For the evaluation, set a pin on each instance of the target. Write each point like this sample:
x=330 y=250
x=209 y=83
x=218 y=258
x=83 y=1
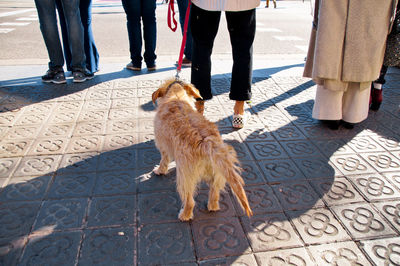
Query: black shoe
x=56 y=76
x=81 y=76
x=348 y=125
x=332 y=124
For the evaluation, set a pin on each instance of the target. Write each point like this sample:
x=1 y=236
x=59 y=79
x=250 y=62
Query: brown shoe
x=132 y=67
x=199 y=106
x=185 y=62
x=152 y=68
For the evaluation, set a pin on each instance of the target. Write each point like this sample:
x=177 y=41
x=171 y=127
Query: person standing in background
x=345 y=55
x=267 y=3
x=91 y=53
x=138 y=11
x=241 y=20
x=48 y=25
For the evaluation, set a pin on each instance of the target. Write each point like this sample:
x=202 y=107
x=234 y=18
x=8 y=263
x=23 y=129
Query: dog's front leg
x=163 y=168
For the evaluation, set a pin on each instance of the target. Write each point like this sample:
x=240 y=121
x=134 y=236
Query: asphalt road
x=281 y=31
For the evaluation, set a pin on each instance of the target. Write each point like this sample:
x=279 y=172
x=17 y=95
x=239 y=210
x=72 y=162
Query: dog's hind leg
x=163 y=168
x=186 y=187
x=216 y=186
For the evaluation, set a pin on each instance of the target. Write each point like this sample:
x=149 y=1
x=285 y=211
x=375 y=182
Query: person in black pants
x=241 y=27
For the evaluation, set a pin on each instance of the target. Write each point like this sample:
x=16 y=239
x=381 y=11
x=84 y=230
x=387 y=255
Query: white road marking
x=302 y=47
x=288 y=38
x=15 y=23
x=5 y=30
x=27 y=19
x=268 y=30
x=12 y=13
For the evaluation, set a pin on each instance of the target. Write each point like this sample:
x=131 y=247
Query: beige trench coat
x=347 y=42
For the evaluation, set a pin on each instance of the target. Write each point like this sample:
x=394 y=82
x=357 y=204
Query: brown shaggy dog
x=183 y=134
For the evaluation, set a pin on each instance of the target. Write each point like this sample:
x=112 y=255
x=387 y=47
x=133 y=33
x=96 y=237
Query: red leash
x=171 y=11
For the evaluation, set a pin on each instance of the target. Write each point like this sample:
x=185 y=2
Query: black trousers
x=241 y=26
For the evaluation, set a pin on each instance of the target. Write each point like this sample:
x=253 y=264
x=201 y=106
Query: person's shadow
x=107 y=207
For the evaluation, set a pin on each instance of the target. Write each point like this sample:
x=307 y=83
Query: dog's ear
x=192 y=91
x=157 y=94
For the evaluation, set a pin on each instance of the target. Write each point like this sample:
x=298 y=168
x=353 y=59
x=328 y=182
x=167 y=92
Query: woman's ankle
x=238 y=109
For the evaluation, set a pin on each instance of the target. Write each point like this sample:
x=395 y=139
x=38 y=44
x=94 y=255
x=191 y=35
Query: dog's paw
x=185 y=217
x=159 y=171
x=213 y=207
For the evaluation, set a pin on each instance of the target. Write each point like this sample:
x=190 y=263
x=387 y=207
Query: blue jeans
x=91 y=53
x=182 y=6
x=48 y=25
x=145 y=10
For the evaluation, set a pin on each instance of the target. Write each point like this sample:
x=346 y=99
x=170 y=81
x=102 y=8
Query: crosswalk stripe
x=288 y=38
x=12 y=13
x=15 y=23
x=5 y=30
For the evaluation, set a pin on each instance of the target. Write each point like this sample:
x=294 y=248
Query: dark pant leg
x=132 y=9
x=182 y=6
x=149 y=31
x=242 y=28
x=204 y=25
x=381 y=79
x=64 y=33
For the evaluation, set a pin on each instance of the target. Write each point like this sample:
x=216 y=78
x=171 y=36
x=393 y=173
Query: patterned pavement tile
x=317 y=167
x=124 y=93
x=56 y=130
x=25 y=188
x=255 y=135
x=72 y=185
x=123 y=113
x=280 y=170
x=108 y=246
x=267 y=151
x=93 y=115
x=342 y=253
x=251 y=174
x=115 y=182
x=336 y=192
x=261 y=199
x=89 y=128
x=96 y=105
x=22 y=132
x=293 y=256
x=391 y=211
x=148 y=158
x=73 y=103
x=158 y=207
x=394 y=178
x=63 y=117
x=78 y=163
x=117 y=160
x=362 y=221
x=120 y=141
x=116 y=210
x=351 y=164
x=390 y=143
x=331 y=147
x=38 y=165
x=97 y=94
x=243 y=153
x=11 y=249
x=297 y=195
x=382 y=161
x=374 y=187
x=383 y=251
x=7 y=166
x=14 y=148
x=52 y=249
x=365 y=143
x=32 y=119
x=16 y=219
x=150 y=182
x=300 y=148
x=270 y=232
x=121 y=126
x=85 y=144
x=288 y=132
x=61 y=214
x=166 y=243
x=244 y=260
x=219 y=237
x=318 y=226
x=48 y=146
x=146 y=124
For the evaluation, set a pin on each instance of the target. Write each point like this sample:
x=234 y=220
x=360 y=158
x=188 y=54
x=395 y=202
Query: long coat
x=347 y=42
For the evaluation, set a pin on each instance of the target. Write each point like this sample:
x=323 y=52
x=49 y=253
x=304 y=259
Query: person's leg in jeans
x=75 y=34
x=48 y=25
x=241 y=27
x=149 y=31
x=204 y=26
x=91 y=53
x=182 y=6
x=64 y=33
x=133 y=16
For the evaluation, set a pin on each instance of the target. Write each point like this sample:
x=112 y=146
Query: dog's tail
x=224 y=161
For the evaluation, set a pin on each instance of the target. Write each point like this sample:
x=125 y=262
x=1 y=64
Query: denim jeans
x=182 y=6
x=137 y=11
x=241 y=27
x=48 y=25
x=91 y=53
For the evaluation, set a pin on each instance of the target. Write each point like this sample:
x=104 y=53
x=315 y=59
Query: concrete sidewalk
x=76 y=182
